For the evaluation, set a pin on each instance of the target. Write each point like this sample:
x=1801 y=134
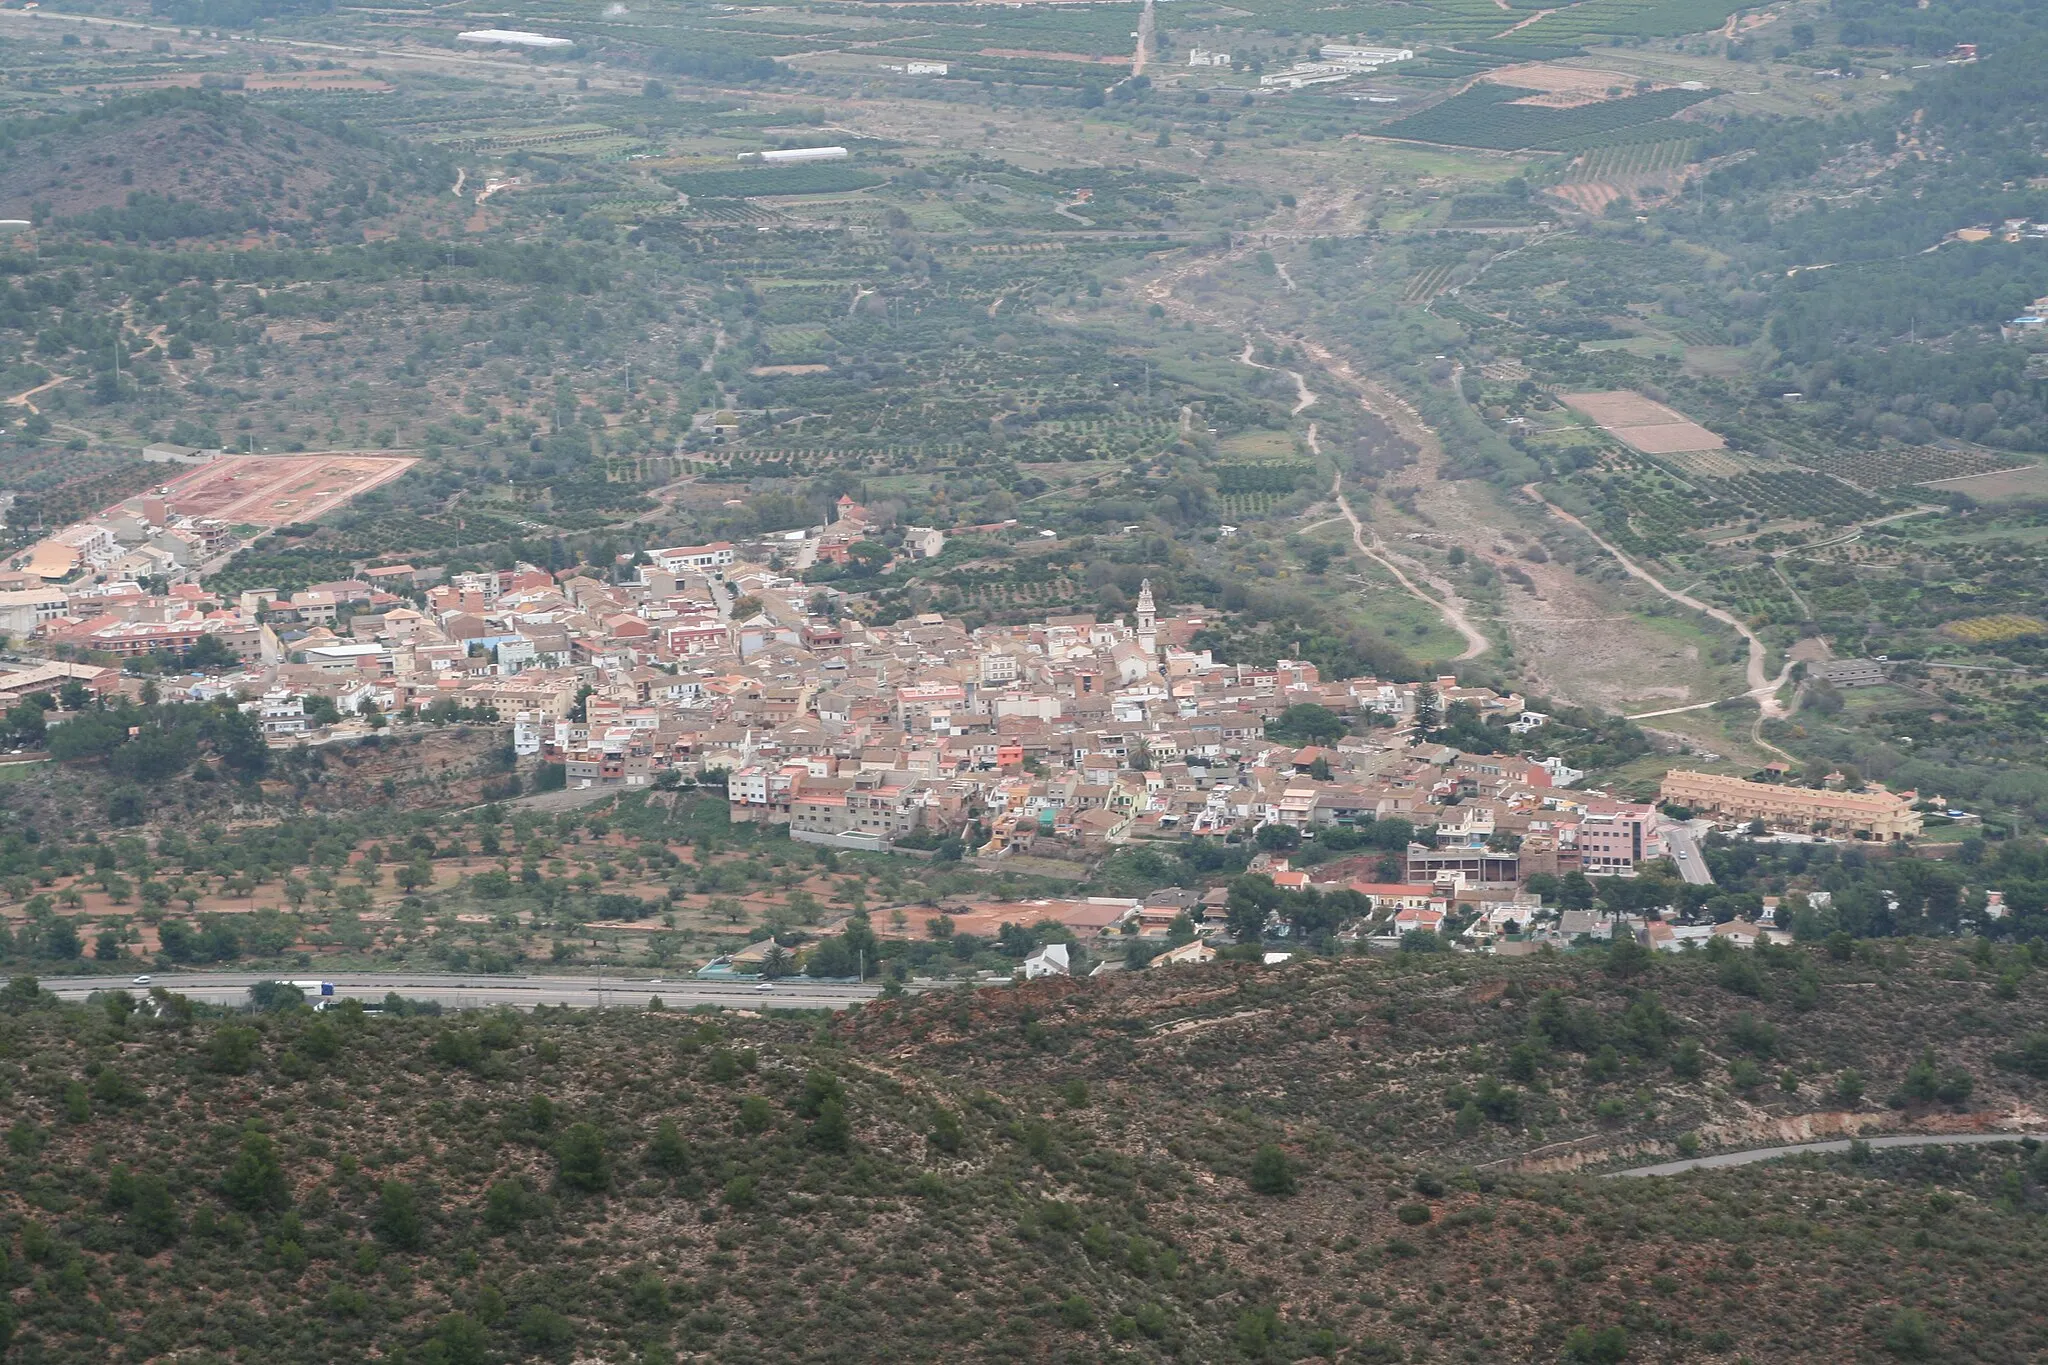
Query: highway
x=1685 y=851
x=1722 y=1160
x=483 y=992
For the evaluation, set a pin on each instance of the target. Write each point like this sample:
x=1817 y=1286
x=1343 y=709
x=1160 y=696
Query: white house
x=1051 y=960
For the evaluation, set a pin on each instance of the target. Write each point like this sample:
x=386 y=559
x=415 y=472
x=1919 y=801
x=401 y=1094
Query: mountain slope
x=1222 y=1164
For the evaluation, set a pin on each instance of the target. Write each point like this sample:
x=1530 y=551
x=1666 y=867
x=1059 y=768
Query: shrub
x=1271 y=1173
x=1909 y=1335
x=233 y=1050
x=461 y=1340
x=255 y=1180
x=946 y=1134
x=1607 y=1346
x=398 y=1220
x=543 y=1329
x=668 y=1152
x=1414 y=1215
x=830 y=1131
x=581 y=1160
x=506 y=1205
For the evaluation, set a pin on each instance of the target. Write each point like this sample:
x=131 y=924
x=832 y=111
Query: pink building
x=1616 y=836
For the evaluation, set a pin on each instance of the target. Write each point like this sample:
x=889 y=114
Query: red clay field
x=276 y=490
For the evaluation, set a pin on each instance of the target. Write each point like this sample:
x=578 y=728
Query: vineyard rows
x=1632 y=19
x=1429 y=283
x=1456 y=311
x=1631 y=161
x=1988 y=630
x=1802 y=495
x=1755 y=594
x=751 y=184
x=1486 y=116
x=1895 y=468
x=1441 y=20
x=1049 y=592
x=1249 y=506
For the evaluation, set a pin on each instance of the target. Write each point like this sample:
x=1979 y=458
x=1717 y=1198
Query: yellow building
x=1875 y=814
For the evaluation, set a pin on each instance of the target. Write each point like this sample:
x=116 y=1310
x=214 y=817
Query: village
x=1038 y=749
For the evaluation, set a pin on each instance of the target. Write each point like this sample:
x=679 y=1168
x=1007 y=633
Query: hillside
x=182 y=163
x=1054 y=1173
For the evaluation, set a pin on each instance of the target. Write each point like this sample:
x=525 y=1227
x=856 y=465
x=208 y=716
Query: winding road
x=1761 y=685
x=1723 y=1160
x=1476 y=643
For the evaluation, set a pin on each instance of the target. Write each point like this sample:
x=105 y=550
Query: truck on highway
x=317 y=993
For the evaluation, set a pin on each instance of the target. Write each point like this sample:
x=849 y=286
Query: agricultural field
x=1995 y=630
x=1897 y=467
x=1500 y=117
x=1641 y=424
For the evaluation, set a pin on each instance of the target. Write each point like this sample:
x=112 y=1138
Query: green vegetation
x=973 y=1182
x=1486 y=115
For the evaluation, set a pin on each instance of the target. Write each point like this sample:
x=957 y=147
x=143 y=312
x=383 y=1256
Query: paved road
x=1726 y=1159
x=1685 y=851
x=478 y=992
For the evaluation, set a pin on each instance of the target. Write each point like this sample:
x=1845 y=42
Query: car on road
x=765 y=986
x=142 y=980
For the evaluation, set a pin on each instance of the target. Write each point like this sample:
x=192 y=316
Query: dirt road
x=21 y=400
x=1570 y=639
x=1761 y=685
x=1476 y=644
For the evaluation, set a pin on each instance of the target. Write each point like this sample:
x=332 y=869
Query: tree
x=1429 y=710
x=1307 y=723
x=946 y=1133
x=255 y=1181
x=667 y=1152
x=582 y=1163
x=398 y=1220
x=153 y=1219
x=830 y=1131
x=233 y=1050
x=1628 y=959
x=1278 y=838
x=1608 y=1346
x=1252 y=897
x=1271 y=1172
x=461 y=1340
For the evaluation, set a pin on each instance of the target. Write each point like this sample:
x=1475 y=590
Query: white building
x=792 y=155
x=1203 y=57
x=717 y=555
x=1051 y=960
x=1307 y=73
x=1363 y=58
x=526 y=733
x=22 y=612
x=924 y=542
x=281 y=713
x=510 y=37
